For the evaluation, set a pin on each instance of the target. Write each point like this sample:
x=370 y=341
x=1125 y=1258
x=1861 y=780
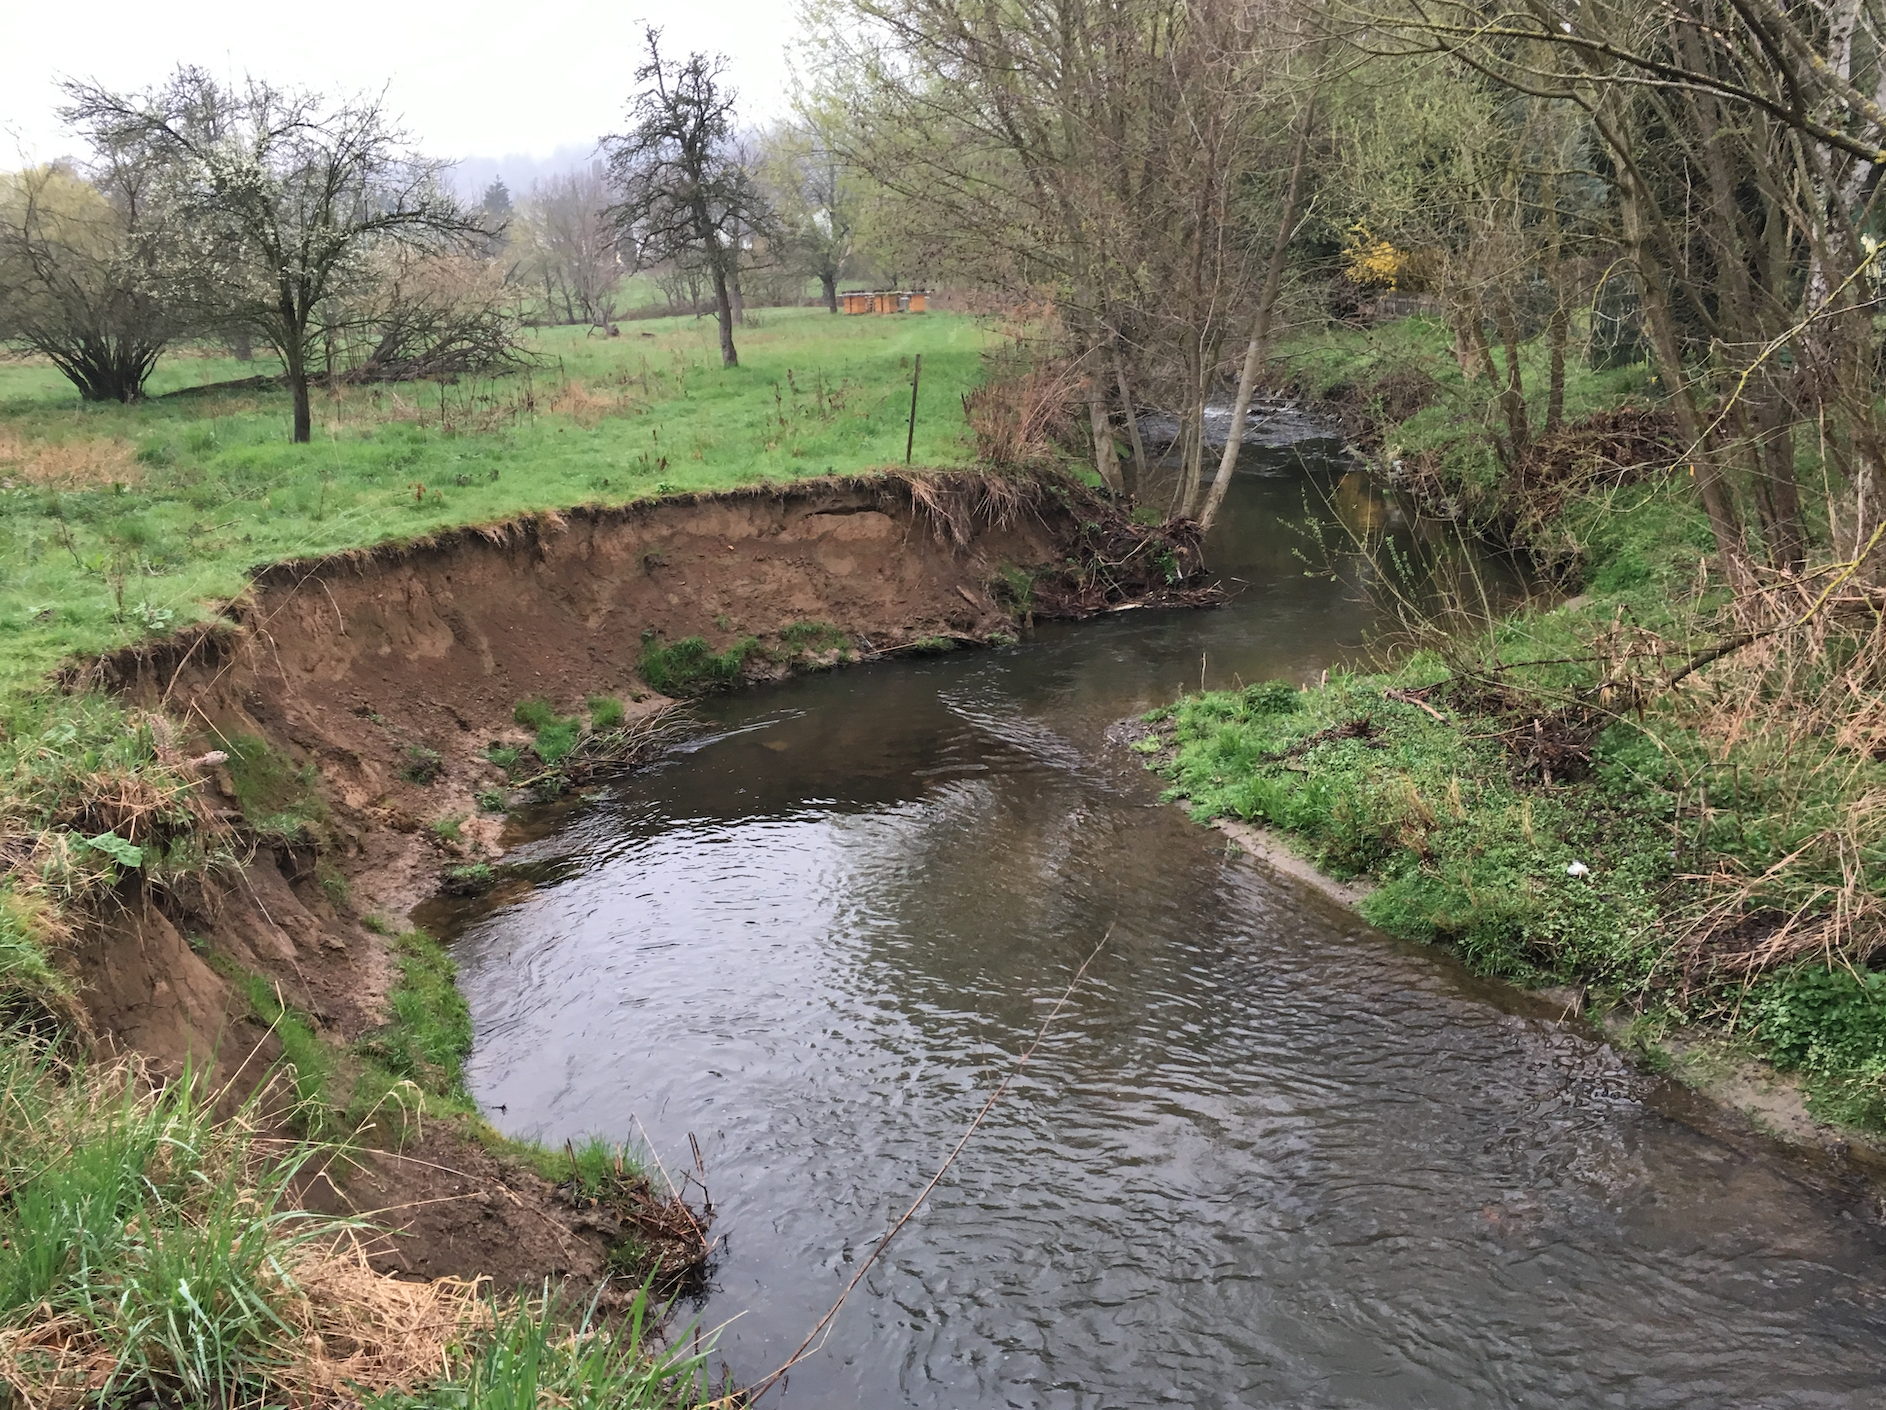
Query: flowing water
x=1265 y=1156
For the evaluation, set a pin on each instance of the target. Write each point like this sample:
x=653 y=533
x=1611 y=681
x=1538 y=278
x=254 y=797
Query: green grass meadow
x=118 y=523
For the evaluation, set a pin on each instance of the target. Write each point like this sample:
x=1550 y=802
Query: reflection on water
x=1266 y=1157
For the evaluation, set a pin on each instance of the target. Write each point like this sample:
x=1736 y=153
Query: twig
x=824 y=1323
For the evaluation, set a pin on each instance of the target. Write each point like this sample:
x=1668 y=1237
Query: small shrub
x=605 y=712
x=1824 y=1019
x=339 y=890
x=1272 y=698
x=505 y=756
x=491 y=800
x=1018 y=586
x=422 y=765
x=933 y=645
x=448 y=827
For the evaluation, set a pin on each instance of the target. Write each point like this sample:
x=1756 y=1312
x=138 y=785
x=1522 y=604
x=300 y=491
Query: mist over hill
x=472 y=175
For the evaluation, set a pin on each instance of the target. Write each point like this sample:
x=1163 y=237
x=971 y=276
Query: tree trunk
x=1132 y=423
x=1194 y=451
x=1513 y=397
x=298 y=386
x=1789 y=545
x=1106 y=460
x=1259 y=346
x=829 y=283
x=1555 y=387
x=1705 y=465
x=723 y=309
x=738 y=300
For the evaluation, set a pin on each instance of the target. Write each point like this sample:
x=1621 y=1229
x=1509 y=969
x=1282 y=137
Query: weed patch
x=605 y=712
x=423 y=1044
x=557 y=735
x=279 y=799
x=690 y=666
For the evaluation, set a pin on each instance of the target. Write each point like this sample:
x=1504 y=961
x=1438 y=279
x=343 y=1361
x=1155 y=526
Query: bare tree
x=571 y=247
x=1099 y=151
x=430 y=316
x=1744 y=142
x=812 y=188
x=78 y=278
x=684 y=195
x=285 y=196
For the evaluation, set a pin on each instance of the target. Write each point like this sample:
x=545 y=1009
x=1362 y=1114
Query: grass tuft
x=690 y=666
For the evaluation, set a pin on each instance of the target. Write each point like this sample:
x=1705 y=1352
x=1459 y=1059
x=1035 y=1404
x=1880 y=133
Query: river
x=1265 y=1157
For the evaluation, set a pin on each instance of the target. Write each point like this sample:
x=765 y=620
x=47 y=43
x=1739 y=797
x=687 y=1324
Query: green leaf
x=125 y=854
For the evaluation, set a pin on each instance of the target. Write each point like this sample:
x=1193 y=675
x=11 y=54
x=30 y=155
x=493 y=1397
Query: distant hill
x=472 y=175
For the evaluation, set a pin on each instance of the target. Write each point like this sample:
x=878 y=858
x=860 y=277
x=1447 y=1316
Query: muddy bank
x=382 y=679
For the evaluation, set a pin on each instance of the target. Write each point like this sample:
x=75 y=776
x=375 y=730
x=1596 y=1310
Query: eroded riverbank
x=359 y=731
x=1271 y=1157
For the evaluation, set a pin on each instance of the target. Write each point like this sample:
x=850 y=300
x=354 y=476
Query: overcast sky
x=469 y=79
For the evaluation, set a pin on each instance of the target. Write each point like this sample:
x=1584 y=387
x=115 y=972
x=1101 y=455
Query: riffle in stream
x=1265 y=1157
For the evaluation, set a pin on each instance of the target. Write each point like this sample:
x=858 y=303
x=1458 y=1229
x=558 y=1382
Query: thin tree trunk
x=723 y=309
x=829 y=282
x=1718 y=501
x=1556 y=336
x=1106 y=460
x=1789 y=545
x=1132 y=422
x=738 y=300
x=1256 y=350
x=1194 y=450
x=1513 y=397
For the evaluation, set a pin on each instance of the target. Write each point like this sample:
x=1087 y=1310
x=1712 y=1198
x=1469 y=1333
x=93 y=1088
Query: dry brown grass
x=1023 y=421
x=354 y=1332
x=78 y=463
x=1802 y=699
x=588 y=407
x=365 y=1331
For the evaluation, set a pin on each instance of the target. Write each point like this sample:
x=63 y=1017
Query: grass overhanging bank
x=1662 y=791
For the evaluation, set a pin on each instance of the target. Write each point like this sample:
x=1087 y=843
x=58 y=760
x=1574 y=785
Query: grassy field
x=122 y=522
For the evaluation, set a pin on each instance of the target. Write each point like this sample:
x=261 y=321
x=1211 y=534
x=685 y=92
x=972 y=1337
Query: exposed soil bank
x=357 y=665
